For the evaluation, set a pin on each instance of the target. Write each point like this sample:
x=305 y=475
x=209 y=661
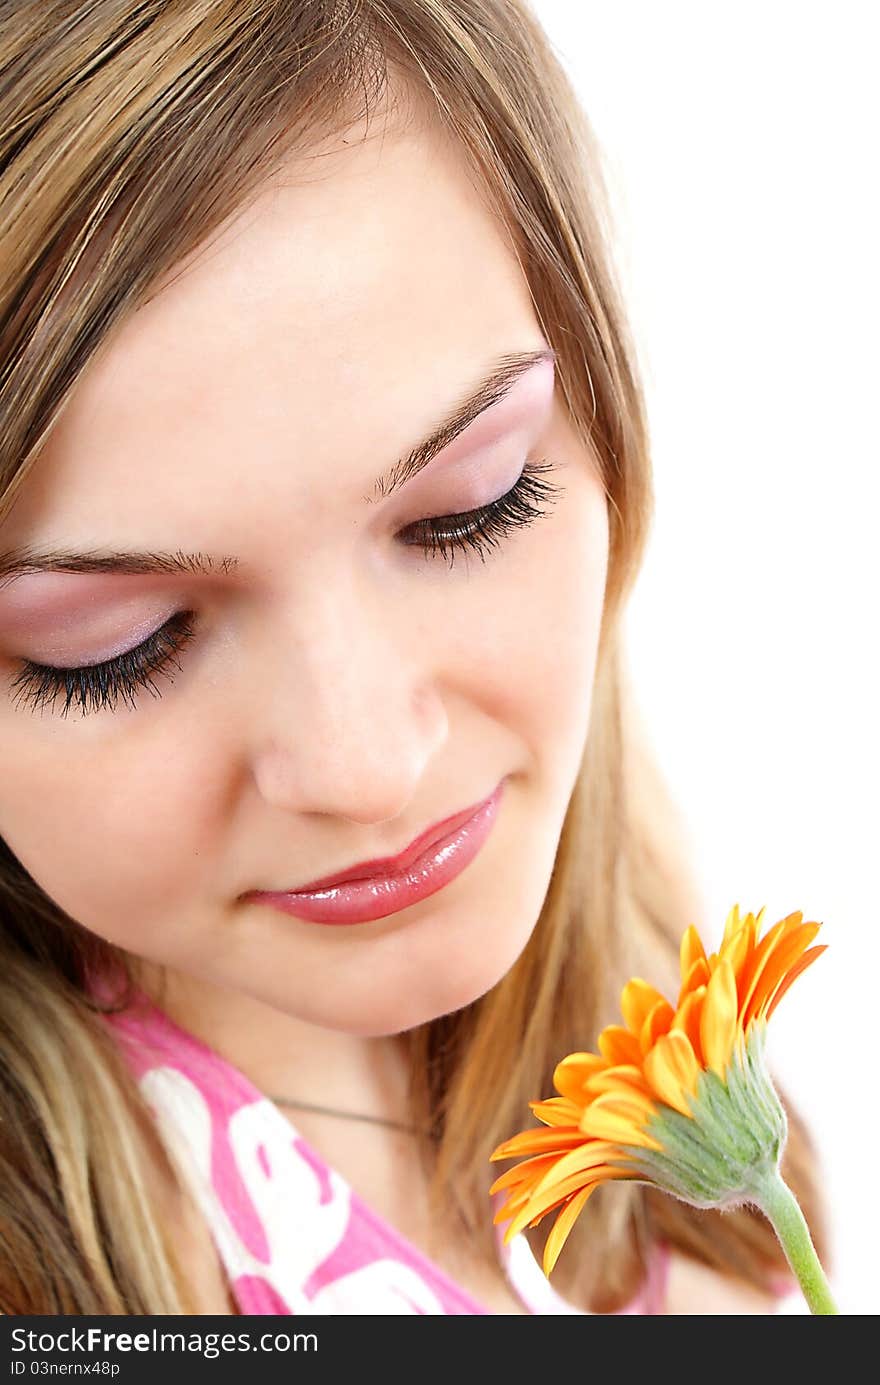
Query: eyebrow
x=493 y=388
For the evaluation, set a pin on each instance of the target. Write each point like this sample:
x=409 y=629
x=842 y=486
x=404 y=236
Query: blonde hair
x=129 y=134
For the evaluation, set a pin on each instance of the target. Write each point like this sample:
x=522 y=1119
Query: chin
x=418 y=1000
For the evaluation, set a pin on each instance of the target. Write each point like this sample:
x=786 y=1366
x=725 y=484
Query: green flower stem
x=780 y=1207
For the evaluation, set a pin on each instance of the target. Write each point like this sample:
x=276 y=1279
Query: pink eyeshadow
x=89 y=616
x=531 y=395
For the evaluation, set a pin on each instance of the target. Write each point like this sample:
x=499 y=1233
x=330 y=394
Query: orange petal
x=602 y=1174
x=783 y=957
x=752 y=926
x=627 y=1101
x=636 y=1003
x=556 y=1110
x=618 y=1045
x=656 y=1023
x=592 y=1154
x=732 y=926
x=538 y=1141
x=617 y=1079
x=529 y=1172
x=518 y=1201
x=562 y=1226
x=516 y=1215
x=572 y=1072
x=751 y=968
x=698 y=975
x=755 y=964
x=690 y=951
x=687 y=1019
x=718 y=1021
x=795 y=972
x=738 y=947
x=755 y=921
x=620 y=1119
x=672 y=1070
x=540 y=1204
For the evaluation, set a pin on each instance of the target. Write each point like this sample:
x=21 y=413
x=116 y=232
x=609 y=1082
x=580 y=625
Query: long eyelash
x=482 y=529
x=103 y=684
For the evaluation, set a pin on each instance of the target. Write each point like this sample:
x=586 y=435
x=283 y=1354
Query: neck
x=284 y=1056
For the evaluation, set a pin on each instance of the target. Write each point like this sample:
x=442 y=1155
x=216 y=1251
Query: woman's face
x=343 y=687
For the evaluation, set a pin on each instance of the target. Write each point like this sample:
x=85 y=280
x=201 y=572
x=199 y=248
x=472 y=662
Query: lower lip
x=359 y=901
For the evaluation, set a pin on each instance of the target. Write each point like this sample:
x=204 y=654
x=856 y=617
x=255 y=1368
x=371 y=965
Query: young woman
x=324 y=479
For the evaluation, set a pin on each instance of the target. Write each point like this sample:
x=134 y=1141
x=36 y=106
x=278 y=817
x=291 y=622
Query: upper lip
x=391 y=865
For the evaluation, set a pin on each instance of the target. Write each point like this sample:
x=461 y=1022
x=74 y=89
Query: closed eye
x=95 y=687
x=481 y=529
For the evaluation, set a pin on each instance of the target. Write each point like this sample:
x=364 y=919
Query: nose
x=351 y=717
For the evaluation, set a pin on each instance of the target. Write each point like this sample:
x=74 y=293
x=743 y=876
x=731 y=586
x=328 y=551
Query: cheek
x=533 y=645
x=113 y=833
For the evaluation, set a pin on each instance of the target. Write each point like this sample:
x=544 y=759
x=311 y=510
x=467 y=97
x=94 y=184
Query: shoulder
x=694 y=1288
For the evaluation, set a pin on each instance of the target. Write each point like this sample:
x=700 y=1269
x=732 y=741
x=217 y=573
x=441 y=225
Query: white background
x=740 y=147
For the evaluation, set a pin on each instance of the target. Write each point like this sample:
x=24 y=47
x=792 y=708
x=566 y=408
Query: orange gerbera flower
x=677 y=1096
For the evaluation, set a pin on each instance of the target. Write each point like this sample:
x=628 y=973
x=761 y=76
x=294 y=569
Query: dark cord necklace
x=346 y=1115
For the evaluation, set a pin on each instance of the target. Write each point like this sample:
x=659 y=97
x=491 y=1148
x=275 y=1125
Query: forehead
x=316 y=336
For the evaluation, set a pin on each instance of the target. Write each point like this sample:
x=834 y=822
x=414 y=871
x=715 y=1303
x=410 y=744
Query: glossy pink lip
x=373 y=889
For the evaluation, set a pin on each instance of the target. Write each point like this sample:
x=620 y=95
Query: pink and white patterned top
x=291 y=1233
